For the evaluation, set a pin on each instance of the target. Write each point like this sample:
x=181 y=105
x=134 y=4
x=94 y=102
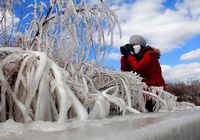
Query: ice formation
x=33 y=87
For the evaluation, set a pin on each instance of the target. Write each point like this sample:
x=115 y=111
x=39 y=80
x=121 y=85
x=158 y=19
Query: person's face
x=136 y=48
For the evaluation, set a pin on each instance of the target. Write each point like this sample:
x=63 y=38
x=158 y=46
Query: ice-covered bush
x=34 y=87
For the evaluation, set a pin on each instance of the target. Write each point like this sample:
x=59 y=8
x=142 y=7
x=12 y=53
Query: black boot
x=150 y=105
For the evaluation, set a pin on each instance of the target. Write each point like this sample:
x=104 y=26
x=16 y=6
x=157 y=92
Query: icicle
x=43 y=108
x=36 y=80
x=68 y=98
x=101 y=108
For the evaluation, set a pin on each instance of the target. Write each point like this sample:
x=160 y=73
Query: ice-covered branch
x=68 y=31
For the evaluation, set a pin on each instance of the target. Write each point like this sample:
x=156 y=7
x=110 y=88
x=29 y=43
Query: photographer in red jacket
x=143 y=59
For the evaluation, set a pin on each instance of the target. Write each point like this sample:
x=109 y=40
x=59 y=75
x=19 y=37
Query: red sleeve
x=145 y=63
x=124 y=64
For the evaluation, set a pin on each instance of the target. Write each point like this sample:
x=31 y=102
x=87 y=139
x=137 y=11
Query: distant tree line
x=189 y=92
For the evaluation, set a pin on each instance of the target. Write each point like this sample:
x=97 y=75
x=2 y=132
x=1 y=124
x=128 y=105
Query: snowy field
x=184 y=125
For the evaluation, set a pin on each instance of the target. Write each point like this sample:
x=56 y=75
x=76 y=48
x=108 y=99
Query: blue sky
x=173 y=26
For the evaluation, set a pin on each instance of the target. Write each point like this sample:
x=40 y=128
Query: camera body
x=128 y=47
x=127 y=50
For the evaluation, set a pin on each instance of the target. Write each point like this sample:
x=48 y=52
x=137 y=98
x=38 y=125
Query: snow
x=182 y=125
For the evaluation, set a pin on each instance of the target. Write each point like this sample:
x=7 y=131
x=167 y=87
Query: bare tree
x=68 y=31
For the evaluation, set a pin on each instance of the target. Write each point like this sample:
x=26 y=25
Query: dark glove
x=130 y=48
x=125 y=51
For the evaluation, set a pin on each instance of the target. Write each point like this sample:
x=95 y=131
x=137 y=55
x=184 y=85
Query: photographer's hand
x=130 y=48
x=124 y=51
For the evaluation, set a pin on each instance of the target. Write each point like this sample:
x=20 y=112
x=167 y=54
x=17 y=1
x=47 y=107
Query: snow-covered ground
x=184 y=125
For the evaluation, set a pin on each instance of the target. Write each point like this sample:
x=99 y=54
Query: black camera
x=127 y=48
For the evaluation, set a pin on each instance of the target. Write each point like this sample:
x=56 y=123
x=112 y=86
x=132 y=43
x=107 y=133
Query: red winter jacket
x=148 y=67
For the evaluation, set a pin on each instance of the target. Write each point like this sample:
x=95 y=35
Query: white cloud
x=114 y=56
x=190 y=7
x=191 y=55
x=164 y=28
x=181 y=72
